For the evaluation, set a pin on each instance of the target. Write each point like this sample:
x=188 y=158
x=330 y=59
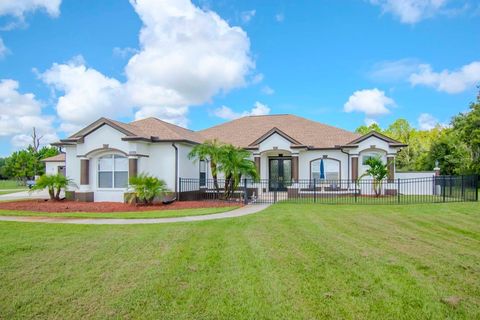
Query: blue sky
x=64 y=63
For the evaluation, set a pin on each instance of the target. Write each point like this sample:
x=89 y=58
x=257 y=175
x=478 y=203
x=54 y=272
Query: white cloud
x=124 y=52
x=19 y=113
x=369 y=122
x=411 y=11
x=3 y=49
x=19 y=8
x=87 y=94
x=227 y=113
x=448 y=81
x=396 y=70
x=246 y=16
x=280 y=17
x=372 y=102
x=426 y=121
x=187 y=55
x=267 y=90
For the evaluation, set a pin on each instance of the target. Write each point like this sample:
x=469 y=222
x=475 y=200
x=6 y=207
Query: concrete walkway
x=24 y=195
x=243 y=211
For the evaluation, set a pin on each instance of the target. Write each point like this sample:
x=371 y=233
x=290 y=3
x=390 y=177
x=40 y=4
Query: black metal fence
x=366 y=191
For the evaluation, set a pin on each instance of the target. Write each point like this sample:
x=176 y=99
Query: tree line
x=26 y=164
x=455 y=148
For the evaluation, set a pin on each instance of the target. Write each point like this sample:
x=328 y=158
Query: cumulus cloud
x=187 y=55
x=124 y=52
x=87 y=94
x=426 y=121
x=448 y=81
x=372 y=102
x=411 y=11
x=227 y=113
x=20 y=112
x=18 y=8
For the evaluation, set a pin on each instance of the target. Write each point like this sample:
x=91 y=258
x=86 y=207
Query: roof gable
x=378 y=135
x=271 y=132
x=245 y=132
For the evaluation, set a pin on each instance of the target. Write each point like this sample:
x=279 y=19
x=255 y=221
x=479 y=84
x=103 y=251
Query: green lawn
x=11 y=184
x=124 y=215
x=288 y=262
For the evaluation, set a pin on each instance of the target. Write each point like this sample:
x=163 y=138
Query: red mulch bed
x=73 y=206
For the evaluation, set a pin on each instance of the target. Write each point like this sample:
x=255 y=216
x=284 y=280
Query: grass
x=11 y=185
x=288 y=262
x=2 y=192
x=123 y=215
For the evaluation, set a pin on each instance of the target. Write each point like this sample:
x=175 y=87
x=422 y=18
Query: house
x=101 y=157
x=55 y=164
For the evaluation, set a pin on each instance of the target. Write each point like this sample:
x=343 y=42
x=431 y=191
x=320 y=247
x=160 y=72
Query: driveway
x=25 y=195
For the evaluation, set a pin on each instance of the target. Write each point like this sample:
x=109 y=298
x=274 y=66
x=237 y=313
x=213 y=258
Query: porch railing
x=366 y=191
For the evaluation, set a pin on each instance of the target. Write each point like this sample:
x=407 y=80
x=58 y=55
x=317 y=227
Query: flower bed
x=74 y=206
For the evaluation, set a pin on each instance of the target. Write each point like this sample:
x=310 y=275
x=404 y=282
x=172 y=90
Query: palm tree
x=209 y=150
x=235 y=163
x=378 y=171
x=146 y=188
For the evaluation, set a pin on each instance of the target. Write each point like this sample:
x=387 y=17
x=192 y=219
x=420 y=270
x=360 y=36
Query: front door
x=280 y=174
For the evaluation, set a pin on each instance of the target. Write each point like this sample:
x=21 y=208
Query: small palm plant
x=54 y=183
x=209 y=150
x=146 y=188
x=235 y=163
x=378 y=171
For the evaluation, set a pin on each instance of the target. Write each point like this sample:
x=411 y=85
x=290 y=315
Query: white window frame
x=112 y=156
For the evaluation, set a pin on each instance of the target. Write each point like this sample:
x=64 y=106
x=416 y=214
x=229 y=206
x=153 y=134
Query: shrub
x=146 y=188
x=54 y=183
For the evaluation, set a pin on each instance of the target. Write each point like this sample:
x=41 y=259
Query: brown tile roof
x=245 y=132
x=146 y=129
x=58 y=158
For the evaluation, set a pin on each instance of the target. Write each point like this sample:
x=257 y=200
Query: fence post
x=463 y=189
x=355 y=189
x=444 y=187
x=275 y=195
x=398 y=189
x=476 y=187
x=179 y=191
x=314 y=190
x=245 y=193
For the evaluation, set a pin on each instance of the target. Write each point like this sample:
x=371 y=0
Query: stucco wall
x=51 y=167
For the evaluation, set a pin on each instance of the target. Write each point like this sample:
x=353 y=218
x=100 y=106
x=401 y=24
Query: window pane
x=315 y=169
x=105 y=179
x=121 y=163
x=105 y=163
x=203 y=166
x=121 y=179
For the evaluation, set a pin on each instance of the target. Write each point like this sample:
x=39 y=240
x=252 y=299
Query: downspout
x=348 y=164
x=176 y=169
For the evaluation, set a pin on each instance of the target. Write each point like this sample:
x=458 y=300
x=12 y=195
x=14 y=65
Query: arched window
x=112 y=171
x=330 y=170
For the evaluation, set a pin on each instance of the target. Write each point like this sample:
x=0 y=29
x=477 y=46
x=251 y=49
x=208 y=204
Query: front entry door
x=280 y=175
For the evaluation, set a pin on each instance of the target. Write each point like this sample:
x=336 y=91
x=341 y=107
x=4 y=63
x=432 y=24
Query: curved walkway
x=243 y=211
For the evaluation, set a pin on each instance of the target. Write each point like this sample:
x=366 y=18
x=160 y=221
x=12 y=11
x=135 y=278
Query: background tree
x=467 y=128
x=26 y=164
